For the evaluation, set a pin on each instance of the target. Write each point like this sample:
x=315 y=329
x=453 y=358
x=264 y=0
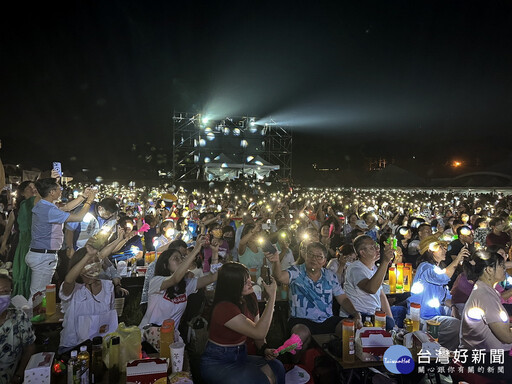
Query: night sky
x=419 y=82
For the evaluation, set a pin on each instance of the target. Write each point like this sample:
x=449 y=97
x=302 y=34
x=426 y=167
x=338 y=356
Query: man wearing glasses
x=363 y=280
x=47 y=234
x=312 y=289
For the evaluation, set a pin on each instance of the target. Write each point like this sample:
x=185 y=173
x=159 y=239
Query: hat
x=361 y=224
x=426 y=243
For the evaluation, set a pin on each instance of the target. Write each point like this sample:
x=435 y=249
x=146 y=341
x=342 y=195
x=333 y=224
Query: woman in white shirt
x=170 y=288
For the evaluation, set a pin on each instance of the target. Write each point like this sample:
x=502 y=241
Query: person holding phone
x=47 y=230
x=249 y=251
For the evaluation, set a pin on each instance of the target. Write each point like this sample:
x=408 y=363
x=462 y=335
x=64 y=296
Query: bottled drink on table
x=166 y=338
x=368 y=322
x=73 y=369
x=97 y=367
x=407 y=278
x=392 y=280
x=415 y=316
x=409 y=265
x=113 y=371
x=380 y=319
x=50 y=299
x=399 y=276
x=83 y=363
x=348 y=336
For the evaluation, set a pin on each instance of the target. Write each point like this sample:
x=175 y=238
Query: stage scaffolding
x=186 y=134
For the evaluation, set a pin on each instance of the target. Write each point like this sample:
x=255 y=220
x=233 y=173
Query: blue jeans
x=232 y=365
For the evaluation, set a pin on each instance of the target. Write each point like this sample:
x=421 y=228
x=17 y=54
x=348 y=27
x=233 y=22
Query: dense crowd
x=330 y=249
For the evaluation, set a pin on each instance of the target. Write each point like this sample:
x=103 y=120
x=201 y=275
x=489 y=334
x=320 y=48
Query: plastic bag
x=129 y=346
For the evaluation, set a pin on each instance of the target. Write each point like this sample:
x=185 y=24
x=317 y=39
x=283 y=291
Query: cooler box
x=39 y=368
x=147 y=371
x=371 y=343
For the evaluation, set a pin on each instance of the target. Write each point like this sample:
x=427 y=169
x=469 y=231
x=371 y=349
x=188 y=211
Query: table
x=322 y=339
x=55 y=319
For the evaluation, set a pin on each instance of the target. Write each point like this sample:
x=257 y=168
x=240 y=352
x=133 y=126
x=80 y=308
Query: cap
x=361 y=224
x=428 y=242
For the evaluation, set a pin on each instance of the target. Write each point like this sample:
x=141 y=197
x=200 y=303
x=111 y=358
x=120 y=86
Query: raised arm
x=372 y=285
x=282 y=276
x=69 y=282
x=87 y=205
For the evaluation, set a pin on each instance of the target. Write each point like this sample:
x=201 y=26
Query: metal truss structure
x=276 y=141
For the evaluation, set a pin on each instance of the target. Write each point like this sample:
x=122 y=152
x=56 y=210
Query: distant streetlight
x=456 y=164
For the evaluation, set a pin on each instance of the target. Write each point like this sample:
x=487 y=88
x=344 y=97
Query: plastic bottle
x=50 y=299
x=347 y=337
x=73 y=368
x=409 y=265
x=415 y=316
x=83 y=363
x=368 y=322
x=399 y=276
x=380 y=319
x=166 y=338
x=407 y=278
x=113 y=372
x=97 y=366
x=392 y=280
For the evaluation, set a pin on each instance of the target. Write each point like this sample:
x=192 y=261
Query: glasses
x=312 y=255
x=5 y=292
x=373 y=246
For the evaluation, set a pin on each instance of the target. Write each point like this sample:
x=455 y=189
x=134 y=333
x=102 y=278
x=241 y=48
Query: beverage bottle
x=415 y=316
x=399 y=276
x=368 y=322
x=73 y=368
x=83 y=363
x=113 y=372
x=347 y=337
x=97 y=367
x=166 y=338
x=392 y=280
x=407 y=277
x=50 y=299
x=380 y=319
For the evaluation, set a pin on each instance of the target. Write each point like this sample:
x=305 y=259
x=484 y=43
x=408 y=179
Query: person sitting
x=166 y=235
x=497 y=236
x=234 y=319
x=87 y=300
x=430 y=290
x=17 y=337
x=345 y=256
x=363 y=280
x=312 y=289
x=169 y=288
x=133 y=248
x=485 y=323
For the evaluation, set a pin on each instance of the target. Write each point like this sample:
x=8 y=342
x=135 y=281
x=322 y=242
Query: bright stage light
x=257 y=162
x=205 y=120
x=210 y=136
x=196 y=158
x=250 y=158
x=226 y=131
x=253 y=128
x=202 y=142
x=208 y=130
x=244 y=143
x=224 y=165
x=207 y=160
x=216 y=158
x=236 y=132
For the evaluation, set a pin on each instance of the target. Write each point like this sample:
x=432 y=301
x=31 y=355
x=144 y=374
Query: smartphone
x=58 y=167
x=268 y=247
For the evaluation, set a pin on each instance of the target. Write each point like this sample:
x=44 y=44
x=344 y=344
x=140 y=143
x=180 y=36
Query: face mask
x=217 y=233
x=5 y=300
x=92 y=270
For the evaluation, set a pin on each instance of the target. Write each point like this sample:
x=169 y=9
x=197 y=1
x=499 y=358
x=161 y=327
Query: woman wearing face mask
x=87 y=301
x=16 y=336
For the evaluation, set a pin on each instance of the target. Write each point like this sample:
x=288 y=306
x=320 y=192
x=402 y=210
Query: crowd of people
x=330 y=249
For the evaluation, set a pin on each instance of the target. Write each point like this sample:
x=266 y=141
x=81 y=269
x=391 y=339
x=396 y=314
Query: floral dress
x=15 y=334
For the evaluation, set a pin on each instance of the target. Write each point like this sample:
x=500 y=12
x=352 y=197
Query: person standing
x=47 y=230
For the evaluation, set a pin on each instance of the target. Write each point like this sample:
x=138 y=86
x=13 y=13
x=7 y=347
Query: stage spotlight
x=207 y=160
x=236 y=132
x=208 y=129
x=202 y=142
x=210 y=136
x=253 y=128
x=224 y=165
x=216 y=158
x=196 y=158
x=244 y=143
x=205 y=120
x=226 y=131
x=257 y=162
x=250 y=158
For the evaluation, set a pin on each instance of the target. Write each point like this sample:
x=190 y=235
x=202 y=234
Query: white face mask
x=92 y=270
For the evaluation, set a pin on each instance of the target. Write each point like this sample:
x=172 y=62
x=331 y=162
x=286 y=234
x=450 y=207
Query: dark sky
x=83 y=81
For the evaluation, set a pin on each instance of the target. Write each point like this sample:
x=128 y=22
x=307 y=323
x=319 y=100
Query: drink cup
x=433 y=328
x=177 y=355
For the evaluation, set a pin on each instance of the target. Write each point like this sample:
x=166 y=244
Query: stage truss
x=186 y=134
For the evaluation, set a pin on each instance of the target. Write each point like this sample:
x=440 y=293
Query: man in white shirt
x=363 y=279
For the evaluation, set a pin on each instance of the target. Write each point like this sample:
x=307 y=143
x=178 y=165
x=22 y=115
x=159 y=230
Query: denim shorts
x=226 y=365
